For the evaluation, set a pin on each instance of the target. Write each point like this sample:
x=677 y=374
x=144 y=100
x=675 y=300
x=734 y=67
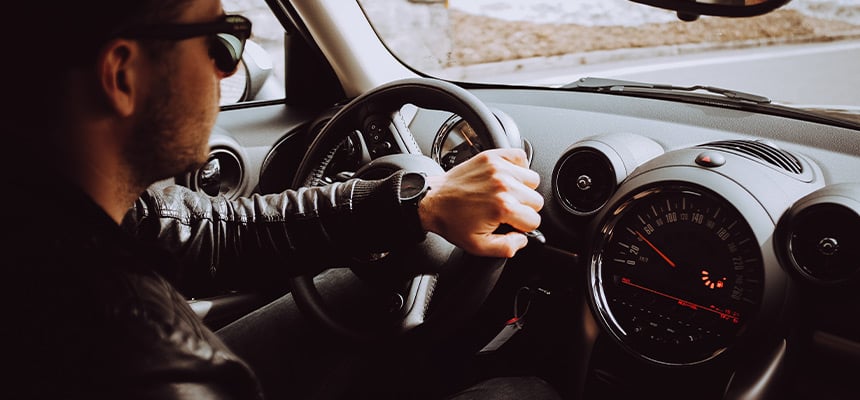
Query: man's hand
x=469 y=202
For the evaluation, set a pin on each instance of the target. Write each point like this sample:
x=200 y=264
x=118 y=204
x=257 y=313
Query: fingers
x=514 y=155
x=517 y=165
x=505 y=245
x=519 y=192
x=521 y=201
x=528 y=177
x=473 y=199
x=500 y=162
x=523 y=219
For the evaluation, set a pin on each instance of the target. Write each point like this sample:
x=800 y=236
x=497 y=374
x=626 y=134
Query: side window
x=260 y=75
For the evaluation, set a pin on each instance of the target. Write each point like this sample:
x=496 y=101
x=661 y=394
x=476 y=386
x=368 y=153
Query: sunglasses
x=228 y=37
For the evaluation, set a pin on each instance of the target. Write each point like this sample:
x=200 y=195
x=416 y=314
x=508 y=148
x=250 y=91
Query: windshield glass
x=805 y=54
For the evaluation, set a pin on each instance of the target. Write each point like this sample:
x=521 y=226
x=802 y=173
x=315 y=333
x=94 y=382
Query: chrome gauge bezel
x=442 y=136
x=606 y=312
x=451 y=124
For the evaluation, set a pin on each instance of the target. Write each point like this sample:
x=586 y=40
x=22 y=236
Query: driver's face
x=181 y=106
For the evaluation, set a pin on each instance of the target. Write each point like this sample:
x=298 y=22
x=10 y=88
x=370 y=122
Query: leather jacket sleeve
x=263 y=239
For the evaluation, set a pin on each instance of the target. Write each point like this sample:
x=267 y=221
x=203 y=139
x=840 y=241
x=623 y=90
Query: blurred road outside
x=451 y=38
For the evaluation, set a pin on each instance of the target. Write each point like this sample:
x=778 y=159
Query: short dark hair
x=76 y=30
x=51 y=39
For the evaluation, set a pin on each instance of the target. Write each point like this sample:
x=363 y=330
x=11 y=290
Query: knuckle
x=504 y=204
x=498 y=183
x=484 y=157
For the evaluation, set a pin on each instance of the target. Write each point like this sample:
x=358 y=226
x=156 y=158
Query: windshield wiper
x=616 y=85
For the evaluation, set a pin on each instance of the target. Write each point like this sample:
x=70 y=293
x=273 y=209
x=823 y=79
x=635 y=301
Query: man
x=126 y=95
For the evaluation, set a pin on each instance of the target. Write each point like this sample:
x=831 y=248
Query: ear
x=118 y=69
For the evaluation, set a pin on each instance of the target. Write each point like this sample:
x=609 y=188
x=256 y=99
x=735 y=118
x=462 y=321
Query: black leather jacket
x=93 y=312
x=262 y=240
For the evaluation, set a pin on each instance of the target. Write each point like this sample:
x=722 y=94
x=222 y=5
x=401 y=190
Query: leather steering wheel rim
x=478 y=275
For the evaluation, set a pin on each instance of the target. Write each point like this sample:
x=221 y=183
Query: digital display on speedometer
x=677 y=275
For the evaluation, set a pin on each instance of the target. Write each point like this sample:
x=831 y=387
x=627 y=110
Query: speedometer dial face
x=678 y=274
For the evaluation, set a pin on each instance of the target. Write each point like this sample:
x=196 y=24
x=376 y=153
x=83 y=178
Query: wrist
x=413 y=189
x=428 y=217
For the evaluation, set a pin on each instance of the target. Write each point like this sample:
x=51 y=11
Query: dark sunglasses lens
x=227 y=50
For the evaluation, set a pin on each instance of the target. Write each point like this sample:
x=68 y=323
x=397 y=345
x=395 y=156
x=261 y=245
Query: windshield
x=805 y=54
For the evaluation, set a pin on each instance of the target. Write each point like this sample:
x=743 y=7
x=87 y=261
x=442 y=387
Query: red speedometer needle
x=651 y=245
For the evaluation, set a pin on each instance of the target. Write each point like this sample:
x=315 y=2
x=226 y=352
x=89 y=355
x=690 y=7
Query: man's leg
x=509 y=388
x=292 y=355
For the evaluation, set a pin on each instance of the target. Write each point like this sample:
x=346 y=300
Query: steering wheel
x=434 y=285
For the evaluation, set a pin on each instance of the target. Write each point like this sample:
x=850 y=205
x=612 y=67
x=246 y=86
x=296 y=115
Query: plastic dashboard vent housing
x=818 y=236
x=761 y=151
x=221 y=175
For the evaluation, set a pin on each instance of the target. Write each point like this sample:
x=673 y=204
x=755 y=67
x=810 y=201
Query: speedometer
x=456 y=143
x=677 y=275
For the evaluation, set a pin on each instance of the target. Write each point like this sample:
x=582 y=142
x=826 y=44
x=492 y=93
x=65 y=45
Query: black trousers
x=296 y=358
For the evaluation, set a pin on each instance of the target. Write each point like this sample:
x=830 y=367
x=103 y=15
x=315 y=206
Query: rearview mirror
x=689 y=10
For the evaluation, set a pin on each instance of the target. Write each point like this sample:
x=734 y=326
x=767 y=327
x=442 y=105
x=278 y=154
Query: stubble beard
x=160 y=148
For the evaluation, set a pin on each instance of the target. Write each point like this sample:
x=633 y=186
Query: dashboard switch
x=710 y=159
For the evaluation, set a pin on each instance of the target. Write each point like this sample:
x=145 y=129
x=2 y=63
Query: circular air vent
x=819 y=237
x=589 y=171
x=584 y=179
x=221 y=175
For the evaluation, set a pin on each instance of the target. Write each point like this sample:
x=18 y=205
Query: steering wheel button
x=710 y=159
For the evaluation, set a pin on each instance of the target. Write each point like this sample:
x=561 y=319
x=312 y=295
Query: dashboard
x=707 y=243
x=705 y=234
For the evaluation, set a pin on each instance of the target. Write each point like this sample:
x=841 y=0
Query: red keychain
x=513 y=325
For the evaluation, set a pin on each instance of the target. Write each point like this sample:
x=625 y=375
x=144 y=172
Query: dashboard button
x=710 y=159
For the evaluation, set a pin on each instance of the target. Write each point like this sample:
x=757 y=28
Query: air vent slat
x=762 y=152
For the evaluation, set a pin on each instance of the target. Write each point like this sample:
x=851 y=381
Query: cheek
x=199 y=75
x=200 y=91
x=196 y=87
x=203 y=85
x=199 y=131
